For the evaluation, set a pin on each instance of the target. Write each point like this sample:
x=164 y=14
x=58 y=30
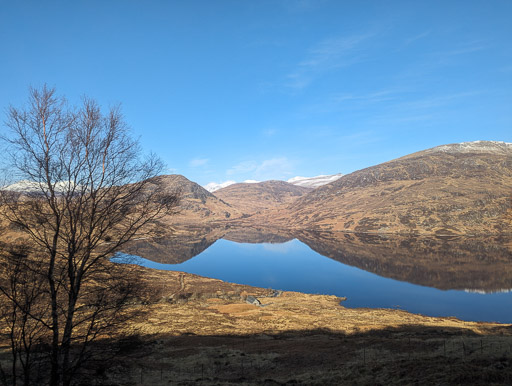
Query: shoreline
x=297 y=310
x=201 y=330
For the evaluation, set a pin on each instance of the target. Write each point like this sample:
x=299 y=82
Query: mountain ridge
x=251 y=198
x=442 y=191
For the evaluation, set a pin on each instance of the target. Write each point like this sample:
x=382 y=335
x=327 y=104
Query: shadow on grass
x=408 y=355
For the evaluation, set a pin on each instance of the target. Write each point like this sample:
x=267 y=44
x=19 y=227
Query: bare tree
x=90 y=194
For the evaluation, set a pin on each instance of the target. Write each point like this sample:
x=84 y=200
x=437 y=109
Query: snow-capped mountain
x=23 y=186
x=27 y=186
x=213 y=186
x=496 y=147
x=314 y=182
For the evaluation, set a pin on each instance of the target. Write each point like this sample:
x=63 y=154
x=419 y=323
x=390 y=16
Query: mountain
x=314 y=182
x=463 y=188
x=32 y=187
x=251 y=198
x=213 y=186
x=24 y=186
x=197 y=205
x=307 y=182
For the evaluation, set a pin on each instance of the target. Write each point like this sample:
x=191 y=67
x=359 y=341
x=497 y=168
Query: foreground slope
x=255 y=197
x=451 y=189
x=198 y=330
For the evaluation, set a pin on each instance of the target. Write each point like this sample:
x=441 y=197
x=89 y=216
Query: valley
x=439 y=219
x=459 y=189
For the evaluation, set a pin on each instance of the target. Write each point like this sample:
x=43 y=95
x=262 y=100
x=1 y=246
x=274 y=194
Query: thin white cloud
x=436 y=101
x=275 y=168
x=327 y=55
x=352 y=101
x=279 y=166
x=415 y=38
x=242 y=167
x=269 y=132
x=169 y=170
x=466 y=48
x=425 y=109
x=197 y=162
x=302 y=5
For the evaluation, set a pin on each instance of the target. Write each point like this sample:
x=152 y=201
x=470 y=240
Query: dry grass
x=195 y=330
x=201 y=331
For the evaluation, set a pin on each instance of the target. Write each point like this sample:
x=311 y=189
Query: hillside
x=314 y=182
x=197 y=205
x=256 y=197
x=451 y=189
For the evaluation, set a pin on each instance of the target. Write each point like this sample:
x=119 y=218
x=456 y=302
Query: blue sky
x=236 y=90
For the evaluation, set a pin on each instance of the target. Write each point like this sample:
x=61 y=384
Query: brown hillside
x=451 y=189
x=197 y=205
x=253 y=198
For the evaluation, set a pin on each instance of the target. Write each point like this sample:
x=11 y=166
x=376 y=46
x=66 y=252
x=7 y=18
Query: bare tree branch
x=94 y=194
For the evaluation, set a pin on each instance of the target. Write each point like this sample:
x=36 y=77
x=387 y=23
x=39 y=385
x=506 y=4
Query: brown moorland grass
x=197 y=330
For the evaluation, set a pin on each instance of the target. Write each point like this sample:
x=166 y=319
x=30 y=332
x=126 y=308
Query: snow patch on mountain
x=314 y=182
x=23 y=186
x=31 y=187
x=497 y=147
x=213 y=186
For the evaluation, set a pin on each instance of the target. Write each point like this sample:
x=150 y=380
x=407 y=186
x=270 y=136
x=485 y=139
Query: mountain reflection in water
x=472 y=266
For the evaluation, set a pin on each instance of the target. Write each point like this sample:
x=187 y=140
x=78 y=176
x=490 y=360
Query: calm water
x=294 y=266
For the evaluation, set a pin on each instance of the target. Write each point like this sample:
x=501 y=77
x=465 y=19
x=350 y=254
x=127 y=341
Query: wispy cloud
x=436 y=101
x=361 y=138
x=427 y=109
x=169 y=170
x=302 y=5
x=413 y=39
x=197 y=162
x=353 y=101
x=327 y=55
x=242 y=167
x=466 y=48
x=279 y=167
x=269 y=132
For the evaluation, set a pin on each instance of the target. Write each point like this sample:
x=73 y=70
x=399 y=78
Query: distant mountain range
x=252 y=198
x=308 y=182
x=456 y=189
x=32 y=187
x=452 y=189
